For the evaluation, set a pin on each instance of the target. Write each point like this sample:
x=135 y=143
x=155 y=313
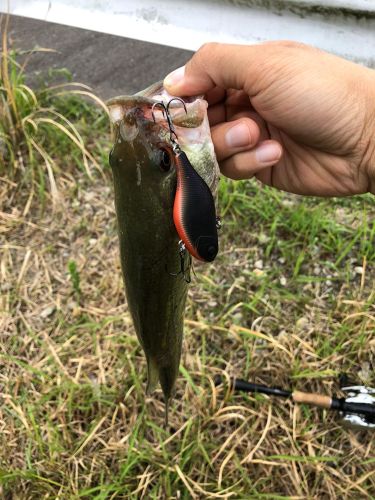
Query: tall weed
x=32 y=126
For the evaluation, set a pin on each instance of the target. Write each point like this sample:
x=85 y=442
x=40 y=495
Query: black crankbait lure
x=194 y=212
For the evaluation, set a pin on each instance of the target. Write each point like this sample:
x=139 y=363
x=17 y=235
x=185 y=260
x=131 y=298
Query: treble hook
x=167 y=115
x=163 y=109
x=177 y=99
x=172 y=130
x=184 y=270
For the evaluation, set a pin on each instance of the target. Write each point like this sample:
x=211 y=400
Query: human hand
x=297 y=118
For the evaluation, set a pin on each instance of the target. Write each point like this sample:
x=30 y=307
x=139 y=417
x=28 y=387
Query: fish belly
x=156 y=299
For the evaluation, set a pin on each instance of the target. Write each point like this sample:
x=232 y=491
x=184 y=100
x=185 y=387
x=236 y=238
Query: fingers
x=216 y=114
x=238 y=70
x=233 y=137
x=215 y=95
x=239 y=151
x=215 y=65
x=246 y=164
x=232 y=105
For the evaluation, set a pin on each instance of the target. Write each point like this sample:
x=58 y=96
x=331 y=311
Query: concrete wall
x=345 y=27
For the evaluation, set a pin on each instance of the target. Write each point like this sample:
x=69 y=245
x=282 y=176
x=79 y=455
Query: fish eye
x=165 y=160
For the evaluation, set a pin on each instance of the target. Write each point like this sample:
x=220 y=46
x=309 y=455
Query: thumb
x=215 y=65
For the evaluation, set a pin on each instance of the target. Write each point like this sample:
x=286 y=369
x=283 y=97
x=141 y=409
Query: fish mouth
x=193 y=117
x=191 y=126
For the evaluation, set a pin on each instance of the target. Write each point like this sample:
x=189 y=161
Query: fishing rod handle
x=312 y=399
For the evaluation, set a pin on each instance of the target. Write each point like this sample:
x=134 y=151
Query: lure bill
x=148 y=173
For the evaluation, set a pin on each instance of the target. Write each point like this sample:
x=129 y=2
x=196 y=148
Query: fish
x=145 y=182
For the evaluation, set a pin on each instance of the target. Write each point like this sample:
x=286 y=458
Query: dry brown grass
x=74 y=421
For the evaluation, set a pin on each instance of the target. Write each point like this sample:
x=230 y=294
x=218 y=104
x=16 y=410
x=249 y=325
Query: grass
x=289 y=301
x=32 y=126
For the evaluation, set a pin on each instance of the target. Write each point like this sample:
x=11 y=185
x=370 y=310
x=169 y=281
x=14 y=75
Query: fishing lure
x=194 y=212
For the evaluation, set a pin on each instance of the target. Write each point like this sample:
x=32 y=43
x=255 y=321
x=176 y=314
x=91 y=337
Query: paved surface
x=111 y=65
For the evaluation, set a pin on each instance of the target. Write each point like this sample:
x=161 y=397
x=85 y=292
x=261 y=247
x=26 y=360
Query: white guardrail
x=345 y=27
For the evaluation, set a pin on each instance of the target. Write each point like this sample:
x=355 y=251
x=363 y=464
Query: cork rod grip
x=312 y=399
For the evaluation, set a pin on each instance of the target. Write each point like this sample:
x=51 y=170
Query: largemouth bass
x=144 y=174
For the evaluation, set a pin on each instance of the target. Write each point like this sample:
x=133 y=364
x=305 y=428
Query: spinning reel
x=360 y=402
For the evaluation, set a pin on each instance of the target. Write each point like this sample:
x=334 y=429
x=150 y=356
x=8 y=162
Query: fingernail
x=268 y=153
x=175 y=77
x=238 y=136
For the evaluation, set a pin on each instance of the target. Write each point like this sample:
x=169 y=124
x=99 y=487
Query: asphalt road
x=111 y=65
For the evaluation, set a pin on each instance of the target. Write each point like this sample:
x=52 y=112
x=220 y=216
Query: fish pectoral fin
x=152 y=375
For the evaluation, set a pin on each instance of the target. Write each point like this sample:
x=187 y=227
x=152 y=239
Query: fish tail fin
x=152 y=375
x=167 y=377
x=166 y=412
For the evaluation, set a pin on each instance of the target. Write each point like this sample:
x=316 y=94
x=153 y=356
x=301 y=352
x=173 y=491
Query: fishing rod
x=357 y=408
